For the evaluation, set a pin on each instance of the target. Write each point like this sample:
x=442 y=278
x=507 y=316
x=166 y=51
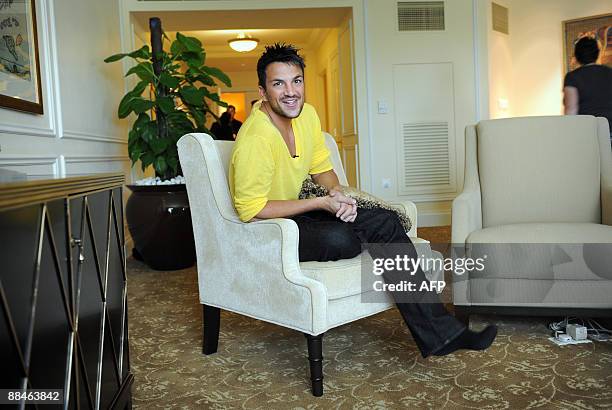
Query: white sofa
x=253 y=268
x=537 y=200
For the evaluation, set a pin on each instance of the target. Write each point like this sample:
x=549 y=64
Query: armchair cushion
x=410 y=210
x=365 y=200
x=541 y=251
x=543 y=233
x=343 y=278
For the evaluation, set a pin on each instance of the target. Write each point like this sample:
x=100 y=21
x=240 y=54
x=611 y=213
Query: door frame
x=359 y=42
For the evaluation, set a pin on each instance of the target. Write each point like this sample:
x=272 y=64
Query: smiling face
x=284 y=90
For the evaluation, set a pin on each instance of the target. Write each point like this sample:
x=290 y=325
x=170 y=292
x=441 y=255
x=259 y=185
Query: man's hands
x=336 y=202
x=342 y=206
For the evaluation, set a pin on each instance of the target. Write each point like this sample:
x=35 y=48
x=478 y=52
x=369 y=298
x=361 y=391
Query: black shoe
x=470 y=340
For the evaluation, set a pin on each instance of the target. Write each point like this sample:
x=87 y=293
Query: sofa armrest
x=262 y=277
x=603 y=131
x=467 y=207
x=606 y=204
x=411 y=210
x=466 y=216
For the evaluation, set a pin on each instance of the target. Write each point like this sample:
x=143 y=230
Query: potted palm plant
x=173 y=97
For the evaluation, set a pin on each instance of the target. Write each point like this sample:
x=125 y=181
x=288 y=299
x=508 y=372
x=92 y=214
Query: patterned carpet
x=369 y=364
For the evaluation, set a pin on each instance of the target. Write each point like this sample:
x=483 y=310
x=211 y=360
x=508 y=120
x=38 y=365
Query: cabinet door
x=63 y=323
x=36 y=297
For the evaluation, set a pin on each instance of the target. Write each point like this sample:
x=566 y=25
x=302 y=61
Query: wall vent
x=426 y=154
x=420 y=15
x=500 y=18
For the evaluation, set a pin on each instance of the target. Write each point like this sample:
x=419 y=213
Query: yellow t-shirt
x=262 y=168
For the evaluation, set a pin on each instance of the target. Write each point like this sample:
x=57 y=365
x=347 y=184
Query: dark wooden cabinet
x=63 y=301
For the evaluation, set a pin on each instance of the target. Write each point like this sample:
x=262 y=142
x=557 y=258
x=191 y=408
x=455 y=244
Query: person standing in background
x=222 y=129
x=235 y=124
x=588 y=89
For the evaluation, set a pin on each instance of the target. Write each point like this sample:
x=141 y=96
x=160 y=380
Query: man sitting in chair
x=277 y=148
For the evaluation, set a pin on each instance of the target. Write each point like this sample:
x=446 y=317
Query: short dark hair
x=277 y=53
x=586 y=50
x=224 y=118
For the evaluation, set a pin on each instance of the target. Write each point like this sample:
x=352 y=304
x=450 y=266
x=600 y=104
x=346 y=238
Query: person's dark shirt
x=236 y=126
x=594 y=84
x=222 y=129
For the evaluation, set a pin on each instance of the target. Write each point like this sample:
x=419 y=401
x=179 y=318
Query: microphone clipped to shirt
x=295 y=156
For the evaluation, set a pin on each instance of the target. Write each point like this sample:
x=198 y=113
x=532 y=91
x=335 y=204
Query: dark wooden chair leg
x=462 y=313
x=315 y=357
x=210 y=339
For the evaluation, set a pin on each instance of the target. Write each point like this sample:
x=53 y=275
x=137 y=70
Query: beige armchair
x=537 y=201
x=253 y=268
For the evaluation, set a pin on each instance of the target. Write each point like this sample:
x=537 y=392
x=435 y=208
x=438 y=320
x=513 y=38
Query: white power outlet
x=386 y=183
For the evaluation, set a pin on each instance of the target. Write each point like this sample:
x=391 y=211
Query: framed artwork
x=20 y=87
x=599 y=27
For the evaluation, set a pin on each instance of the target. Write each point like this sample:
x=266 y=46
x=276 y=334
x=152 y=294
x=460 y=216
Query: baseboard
x=426 y=219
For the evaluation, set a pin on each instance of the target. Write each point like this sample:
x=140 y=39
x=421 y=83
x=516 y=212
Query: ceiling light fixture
x=243 y=43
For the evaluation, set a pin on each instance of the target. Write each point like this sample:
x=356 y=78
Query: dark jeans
x=323 y=237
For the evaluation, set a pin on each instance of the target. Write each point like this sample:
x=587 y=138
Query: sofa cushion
x=587 y=294
x=558 y=232
x=342 y=278
x=567 y=251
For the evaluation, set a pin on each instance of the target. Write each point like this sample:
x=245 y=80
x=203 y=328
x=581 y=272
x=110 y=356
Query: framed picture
x=20 y=87
x=599 y=27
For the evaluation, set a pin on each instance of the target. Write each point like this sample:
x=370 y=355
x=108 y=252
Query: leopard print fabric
x=364 y=200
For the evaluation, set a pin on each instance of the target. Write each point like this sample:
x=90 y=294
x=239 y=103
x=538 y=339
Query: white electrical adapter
x=577 y=332
x=564 y=338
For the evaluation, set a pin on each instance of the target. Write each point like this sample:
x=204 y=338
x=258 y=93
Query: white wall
x=79 y=131
x=386 y=47
x=534 y=52
x=241 y=81
x=500 y=67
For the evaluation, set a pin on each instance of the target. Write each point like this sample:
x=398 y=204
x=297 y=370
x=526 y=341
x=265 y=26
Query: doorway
x=324 y=37
x=238 y=100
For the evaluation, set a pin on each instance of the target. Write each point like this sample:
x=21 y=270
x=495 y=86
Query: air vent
x=500 y=18
x=426 y=157
x=420 y=15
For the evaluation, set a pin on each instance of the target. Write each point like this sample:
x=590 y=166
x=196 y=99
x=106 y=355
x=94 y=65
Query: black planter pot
x=159 y=221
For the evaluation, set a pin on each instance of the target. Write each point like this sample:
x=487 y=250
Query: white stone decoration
x=178 y=180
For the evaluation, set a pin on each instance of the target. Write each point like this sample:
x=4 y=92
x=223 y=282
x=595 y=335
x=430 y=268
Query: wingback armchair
x=253 y=268
x=537 y=201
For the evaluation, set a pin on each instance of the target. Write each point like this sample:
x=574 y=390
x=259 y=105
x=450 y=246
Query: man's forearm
x=336 y=203
x=328 y=179
x=287 y=208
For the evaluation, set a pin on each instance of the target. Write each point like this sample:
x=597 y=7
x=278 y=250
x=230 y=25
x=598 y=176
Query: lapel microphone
x=295 y=156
